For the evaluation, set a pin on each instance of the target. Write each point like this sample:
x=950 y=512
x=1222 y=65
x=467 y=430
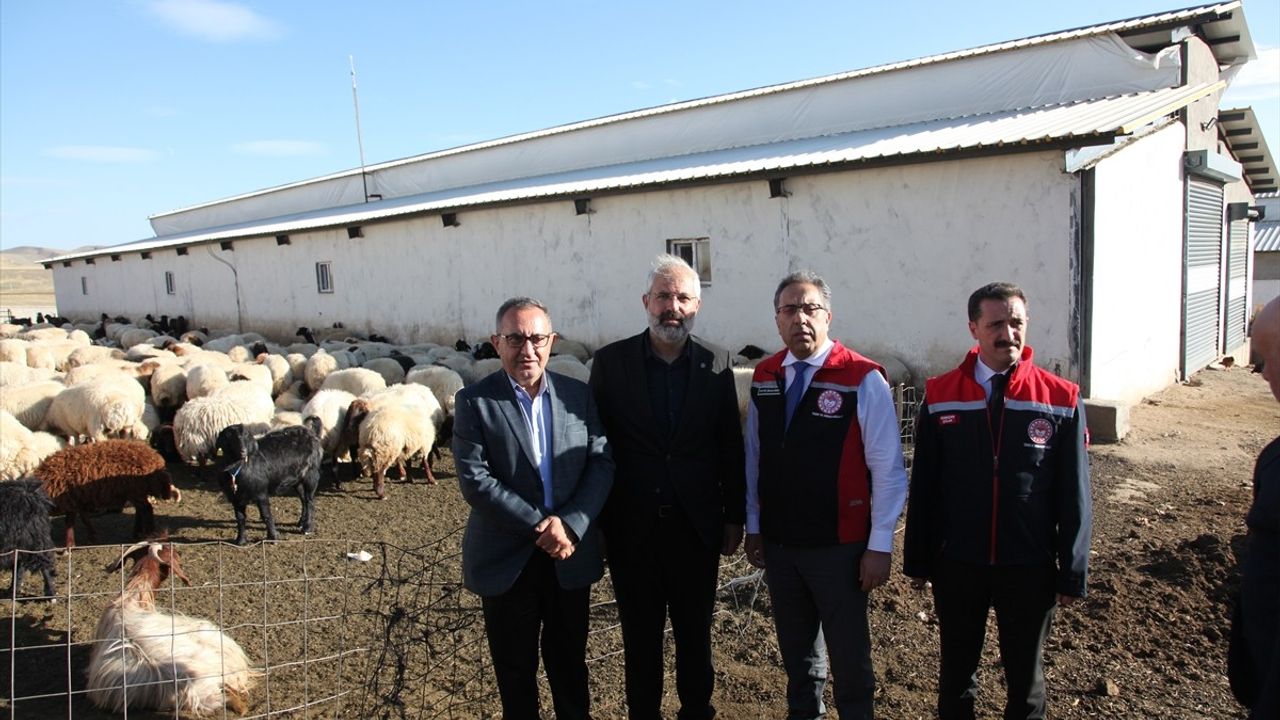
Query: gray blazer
x=498 y=478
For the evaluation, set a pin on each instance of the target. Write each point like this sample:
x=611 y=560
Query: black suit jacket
x=703 y=457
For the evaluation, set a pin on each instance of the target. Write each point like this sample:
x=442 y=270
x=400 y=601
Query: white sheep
x=107 y=368
x=29 y=403
x=330 y=407
x=292 y=399
x=357 y=381
x=298 y=364
x=318 y=367
x=14 y=350
x=13 y=374
x=198 y=422
x=92 y=354
x=169 y=386
x=21 y=450
x=280 y=369
x=224 y=344
x=251 y=372
x=443 y=382
x=204 y=380
x=391 y=370
x=565 y=346
x=484 y=368
x=393 y=429
x=568 y=365
x=134 y=336
x=43 y=334
x=98 y=409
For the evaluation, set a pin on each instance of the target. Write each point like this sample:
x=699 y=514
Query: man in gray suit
x=534 y=465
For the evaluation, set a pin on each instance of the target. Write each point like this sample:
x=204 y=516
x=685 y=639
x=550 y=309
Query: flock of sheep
x=91 y=425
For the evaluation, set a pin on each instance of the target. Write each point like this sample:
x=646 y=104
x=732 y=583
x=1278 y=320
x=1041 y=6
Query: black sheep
x=306 y=334
x=486 y=351
x=25 y=530
x=281 y=462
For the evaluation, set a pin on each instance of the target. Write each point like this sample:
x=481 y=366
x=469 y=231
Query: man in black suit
x=535 y=468
x=669 y=407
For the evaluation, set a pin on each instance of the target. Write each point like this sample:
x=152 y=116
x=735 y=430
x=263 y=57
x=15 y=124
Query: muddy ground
x=396 y=636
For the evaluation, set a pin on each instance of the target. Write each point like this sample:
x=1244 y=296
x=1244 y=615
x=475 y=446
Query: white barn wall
x=901 y=246
x=1137 y=268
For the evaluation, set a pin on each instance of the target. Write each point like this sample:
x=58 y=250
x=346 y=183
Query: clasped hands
x=554 y=537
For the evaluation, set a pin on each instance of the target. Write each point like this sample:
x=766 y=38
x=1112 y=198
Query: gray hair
x=672 y=267
x=804 y=277
x=518 y=303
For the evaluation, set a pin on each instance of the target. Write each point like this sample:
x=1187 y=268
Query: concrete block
x=1108 y=420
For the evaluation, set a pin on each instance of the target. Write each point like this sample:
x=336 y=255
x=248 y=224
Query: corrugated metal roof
x=1240 y=128
x=1086 y=122
x=1211 y=16
x=1266 y=236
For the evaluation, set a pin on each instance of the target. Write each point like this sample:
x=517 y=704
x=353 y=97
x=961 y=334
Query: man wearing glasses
x=670 y=408
x=822 y=441
x=534 y=465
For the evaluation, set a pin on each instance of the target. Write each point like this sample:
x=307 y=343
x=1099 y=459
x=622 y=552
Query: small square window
x=84 y=285
x=324 y=276
x=168 y=283
x=696 y=252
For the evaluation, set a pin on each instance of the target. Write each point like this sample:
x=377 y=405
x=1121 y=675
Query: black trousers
x=537 y=607
x=661 y=567
x=1024 y=600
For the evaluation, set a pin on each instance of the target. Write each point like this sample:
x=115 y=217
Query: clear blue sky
x=113 y=110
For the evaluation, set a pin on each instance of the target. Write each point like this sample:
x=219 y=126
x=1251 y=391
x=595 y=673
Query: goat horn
x=177 y=495
x=154 y=551
x=120 y=560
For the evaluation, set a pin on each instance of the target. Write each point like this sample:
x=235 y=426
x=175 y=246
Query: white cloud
x=1259 y=80
x=103 y=153
x=279 y=148
x=214 y=20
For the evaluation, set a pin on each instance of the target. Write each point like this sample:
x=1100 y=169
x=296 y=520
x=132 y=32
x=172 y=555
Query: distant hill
x=24 y=283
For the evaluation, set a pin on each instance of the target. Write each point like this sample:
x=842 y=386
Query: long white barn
x=1090 y=166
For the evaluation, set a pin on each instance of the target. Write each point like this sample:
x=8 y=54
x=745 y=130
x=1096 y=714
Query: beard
x=671 y=334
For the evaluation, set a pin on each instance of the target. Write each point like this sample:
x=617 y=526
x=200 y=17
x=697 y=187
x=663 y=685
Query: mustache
x=1005 y=344
x=672 y=315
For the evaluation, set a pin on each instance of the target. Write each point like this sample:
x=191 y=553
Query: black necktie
x=996 y=401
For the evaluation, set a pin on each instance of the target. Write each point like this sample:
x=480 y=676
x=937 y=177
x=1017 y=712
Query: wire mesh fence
x=333 y=628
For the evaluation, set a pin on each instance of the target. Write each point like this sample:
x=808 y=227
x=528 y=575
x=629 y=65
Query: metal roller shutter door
x=1203 y=267
x=1237 y=284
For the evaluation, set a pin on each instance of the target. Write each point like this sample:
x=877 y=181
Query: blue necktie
x=795 y=390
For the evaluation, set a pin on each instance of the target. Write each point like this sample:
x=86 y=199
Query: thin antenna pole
x=355 y=99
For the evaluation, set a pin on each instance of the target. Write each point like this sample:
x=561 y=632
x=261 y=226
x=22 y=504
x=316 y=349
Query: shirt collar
x=817 y=359
x=983 y=374
x=542 y=387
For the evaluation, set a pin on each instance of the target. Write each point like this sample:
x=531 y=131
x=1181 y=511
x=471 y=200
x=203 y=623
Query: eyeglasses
x=809 y=309
x=515 y=341
x=682 y=298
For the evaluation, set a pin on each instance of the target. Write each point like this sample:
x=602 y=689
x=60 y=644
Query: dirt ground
x=396 y=636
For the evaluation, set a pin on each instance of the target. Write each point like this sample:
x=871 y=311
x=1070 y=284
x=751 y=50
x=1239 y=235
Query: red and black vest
x=813 y=482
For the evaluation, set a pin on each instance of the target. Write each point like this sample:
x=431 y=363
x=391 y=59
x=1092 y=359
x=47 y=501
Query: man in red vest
x=1000 y=510
x=822 y=440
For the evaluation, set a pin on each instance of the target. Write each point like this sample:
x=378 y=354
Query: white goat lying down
x=149 y=659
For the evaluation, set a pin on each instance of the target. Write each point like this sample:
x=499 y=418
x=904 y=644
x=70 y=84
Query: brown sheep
x=105 y=475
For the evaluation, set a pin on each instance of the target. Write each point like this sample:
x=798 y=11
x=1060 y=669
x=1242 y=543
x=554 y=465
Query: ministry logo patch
x=1040 y=431
x=829 y=402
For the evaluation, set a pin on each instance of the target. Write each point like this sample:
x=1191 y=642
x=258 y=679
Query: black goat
x=305 y=333
x=405 y=361
x=752 y=352
x=462 y=345
x=375 y=337
x=25 y=532
x=281 y=462
x=178 y=326
x=485 y=351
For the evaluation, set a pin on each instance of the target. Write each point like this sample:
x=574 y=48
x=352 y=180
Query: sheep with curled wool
x=145 y=658
x=198 y=422
x=98 y=409
x=84 y=479
x=282 y=462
